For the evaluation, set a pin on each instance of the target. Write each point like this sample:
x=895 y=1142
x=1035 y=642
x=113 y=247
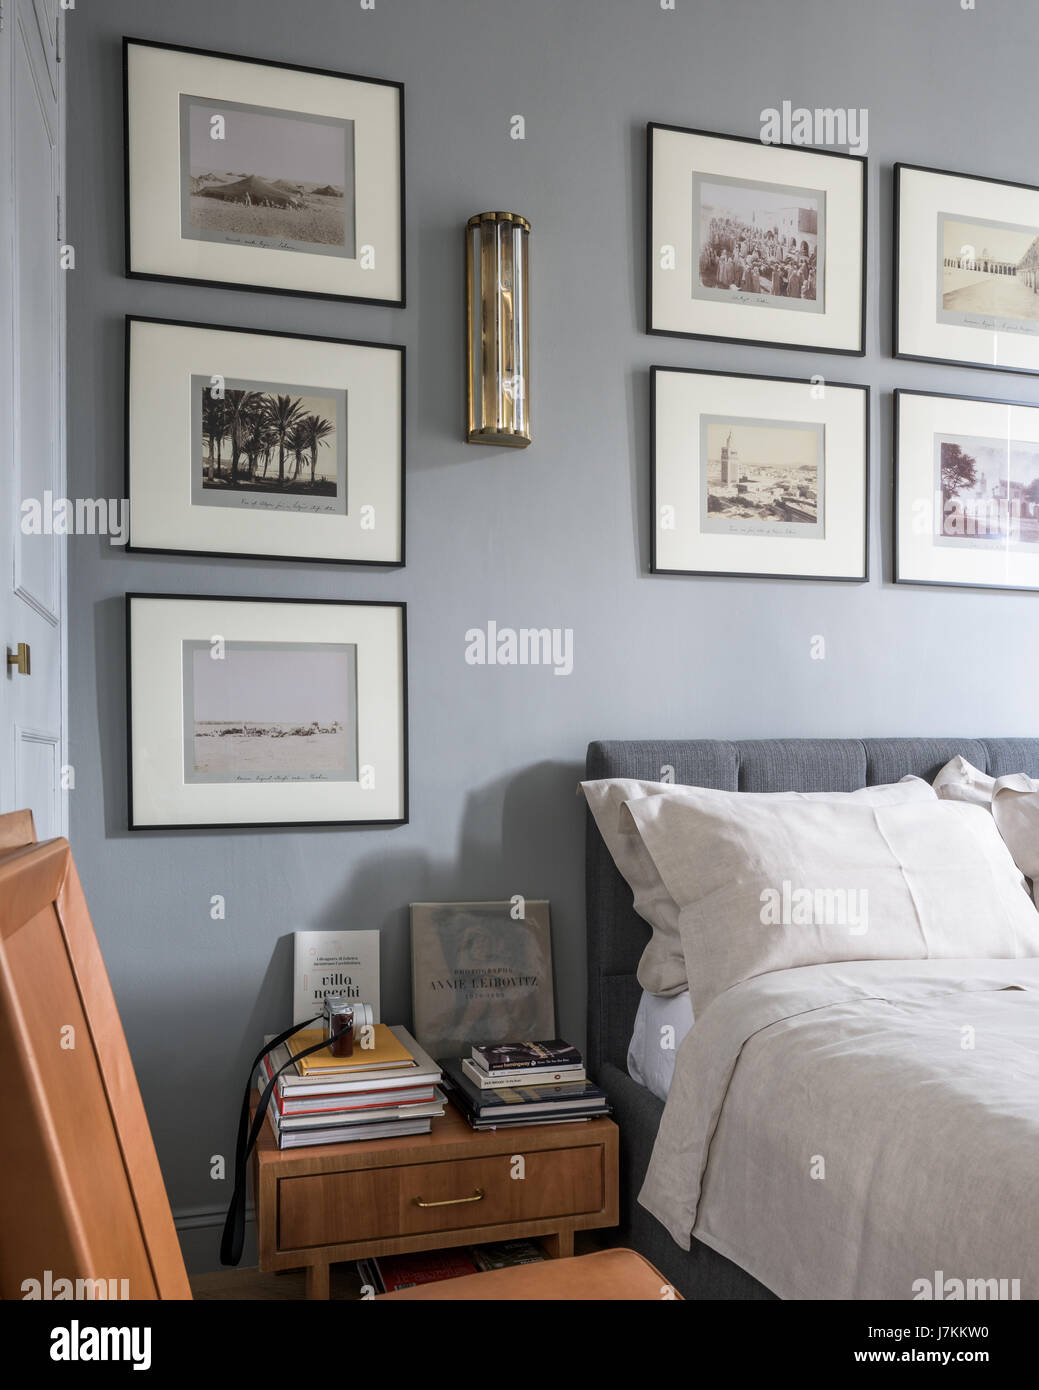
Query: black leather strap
x=233 y=1238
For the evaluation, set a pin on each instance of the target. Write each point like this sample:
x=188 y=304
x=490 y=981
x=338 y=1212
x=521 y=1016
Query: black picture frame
x=896 y=485
x=896 y=350
x=656 y=569
x=863 y=162
x=131 y=274
x=131 y=319
x=165 y=828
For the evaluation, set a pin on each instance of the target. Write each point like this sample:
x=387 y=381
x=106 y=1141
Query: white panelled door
x=32 y=412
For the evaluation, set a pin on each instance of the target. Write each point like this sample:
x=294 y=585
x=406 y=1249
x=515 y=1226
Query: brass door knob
x=19 y=659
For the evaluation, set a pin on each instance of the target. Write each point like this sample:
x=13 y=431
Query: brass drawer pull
x=451 y=1201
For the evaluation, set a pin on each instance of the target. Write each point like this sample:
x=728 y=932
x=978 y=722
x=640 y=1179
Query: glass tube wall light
x=498 y=327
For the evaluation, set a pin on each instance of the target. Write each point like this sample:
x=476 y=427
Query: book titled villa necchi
x=334 y=963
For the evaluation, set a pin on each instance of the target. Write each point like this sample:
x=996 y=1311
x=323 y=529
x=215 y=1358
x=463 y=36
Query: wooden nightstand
x=454 y=1186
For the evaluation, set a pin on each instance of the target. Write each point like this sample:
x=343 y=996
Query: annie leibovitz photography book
x=330 y=963
x=479 y=972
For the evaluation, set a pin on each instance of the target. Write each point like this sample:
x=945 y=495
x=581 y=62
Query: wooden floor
x=249 y=1284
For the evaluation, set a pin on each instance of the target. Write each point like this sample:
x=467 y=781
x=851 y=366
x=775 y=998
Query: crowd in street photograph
x=737 y=255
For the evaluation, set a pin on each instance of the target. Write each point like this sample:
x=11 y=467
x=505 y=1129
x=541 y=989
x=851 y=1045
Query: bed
x=617 y=937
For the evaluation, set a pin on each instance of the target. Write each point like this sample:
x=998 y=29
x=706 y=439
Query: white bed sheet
x=660 y=1025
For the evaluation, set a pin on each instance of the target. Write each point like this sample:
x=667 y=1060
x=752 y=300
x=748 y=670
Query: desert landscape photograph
x=270 y=711
x=258 y=176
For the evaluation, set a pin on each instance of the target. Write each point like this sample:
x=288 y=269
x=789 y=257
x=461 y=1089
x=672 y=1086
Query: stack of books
x=380 y=1092
x=390 y=1272
x=529 y=1083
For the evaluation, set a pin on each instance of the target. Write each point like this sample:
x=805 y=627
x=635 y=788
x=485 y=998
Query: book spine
x=502 y=1080
x=515 y=1064
x=481 y=1061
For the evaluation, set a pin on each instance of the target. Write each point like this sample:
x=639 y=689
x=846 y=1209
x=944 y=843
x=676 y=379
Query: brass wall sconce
x=498 y=327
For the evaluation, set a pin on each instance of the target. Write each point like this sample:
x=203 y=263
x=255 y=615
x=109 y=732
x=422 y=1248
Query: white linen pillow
x=1015 y=809
x=661 y=969
x=770 y=885
x=1013 y=802
x=960 y=780
x=660 y=1026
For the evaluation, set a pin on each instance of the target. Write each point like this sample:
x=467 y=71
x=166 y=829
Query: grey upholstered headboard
x=617 y=935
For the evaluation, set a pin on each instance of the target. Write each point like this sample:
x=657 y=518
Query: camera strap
x=233 y=1238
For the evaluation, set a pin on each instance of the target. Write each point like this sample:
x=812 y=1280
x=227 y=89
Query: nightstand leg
x=559 y=1245
x=317 y=1281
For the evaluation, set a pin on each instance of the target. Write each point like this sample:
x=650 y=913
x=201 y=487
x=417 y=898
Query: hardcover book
x=418 y=1069
x=523 y=1100
x=553 y=1054
x=531 y=1076
x=387 y=1051
x=334 y=962
x=504 y=1253
x=480 y=970
x=422 y=1267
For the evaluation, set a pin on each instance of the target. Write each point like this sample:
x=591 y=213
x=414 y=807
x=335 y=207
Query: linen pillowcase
x=1015 y=809
x=771 y=886
x=662 y=969
x=960 y=780
x=1013 y=802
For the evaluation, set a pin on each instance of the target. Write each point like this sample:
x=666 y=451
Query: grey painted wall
x=554 y=536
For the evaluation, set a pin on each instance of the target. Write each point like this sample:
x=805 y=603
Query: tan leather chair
x=601 y=1276
x=82 y=1197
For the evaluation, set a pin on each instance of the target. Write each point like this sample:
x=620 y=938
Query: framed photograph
x=481 y=974
x=265 y=712
x=966 y=491
x=967 y=277
x=759 y=476
x=245 y=443
x=755 y=243
x=251 y=174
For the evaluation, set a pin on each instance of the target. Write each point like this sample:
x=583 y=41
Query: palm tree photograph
x=286 y=444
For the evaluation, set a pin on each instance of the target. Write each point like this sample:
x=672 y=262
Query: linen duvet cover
x=862 y=1129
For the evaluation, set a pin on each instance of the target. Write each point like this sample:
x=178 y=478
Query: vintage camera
x=346 y=1017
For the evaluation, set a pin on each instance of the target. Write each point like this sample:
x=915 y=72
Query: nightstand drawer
x=336 y=1208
